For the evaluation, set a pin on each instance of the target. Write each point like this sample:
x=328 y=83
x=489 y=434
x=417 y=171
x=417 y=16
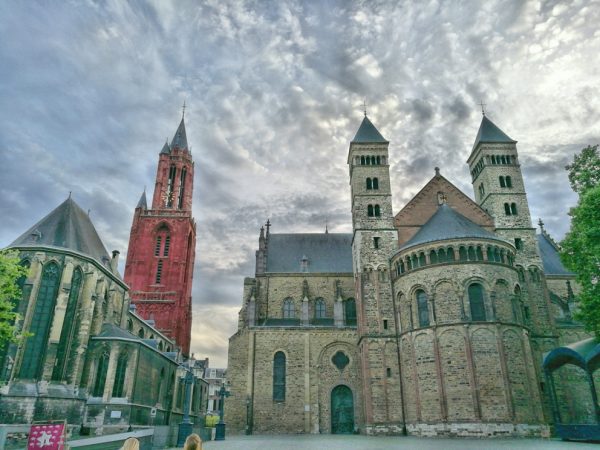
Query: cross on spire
x=541 y=224
x=183 y=110
x=483 y=105
x=365 y=107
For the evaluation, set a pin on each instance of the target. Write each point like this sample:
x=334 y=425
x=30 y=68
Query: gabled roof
x=324 y=252
x=550 y=257
x=489 y=132
x=367 y=133
x=142 y=202
x=67 y=226
x=180 y=139
x=446 y=224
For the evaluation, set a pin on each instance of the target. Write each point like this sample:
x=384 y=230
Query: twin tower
x=162 y=244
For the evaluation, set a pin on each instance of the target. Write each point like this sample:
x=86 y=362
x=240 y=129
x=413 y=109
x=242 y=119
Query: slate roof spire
x=142 y=203
x=367 y=133
x=180 y=139
x=166 y=149
x=489 y=132
x=68 y=227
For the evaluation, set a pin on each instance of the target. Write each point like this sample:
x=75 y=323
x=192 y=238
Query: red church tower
x=162 y=243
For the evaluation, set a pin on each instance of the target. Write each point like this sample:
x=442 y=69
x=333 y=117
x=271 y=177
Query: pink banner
x=46 y=437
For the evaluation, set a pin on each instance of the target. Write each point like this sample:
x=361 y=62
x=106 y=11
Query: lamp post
x=186 y=425
x=220 y=428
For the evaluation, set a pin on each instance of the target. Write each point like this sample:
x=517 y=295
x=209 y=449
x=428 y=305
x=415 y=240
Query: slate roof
x=166 y=149
x=325 y=252
x=489 y=132
x=446 y=224
x=367 y=133
x=550 y=257
x=180 y=138
x=142 y=203
x=69 y=227
x=111 y=330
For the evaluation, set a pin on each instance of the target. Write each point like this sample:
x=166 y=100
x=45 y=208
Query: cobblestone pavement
x=330 y=442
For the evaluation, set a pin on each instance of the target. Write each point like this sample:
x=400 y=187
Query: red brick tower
x=162 y=243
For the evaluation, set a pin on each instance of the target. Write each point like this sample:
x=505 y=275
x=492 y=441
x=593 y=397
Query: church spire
x=142 y=203
x=180 y=139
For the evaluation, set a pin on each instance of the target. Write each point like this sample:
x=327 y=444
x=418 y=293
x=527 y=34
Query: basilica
x=432 y=320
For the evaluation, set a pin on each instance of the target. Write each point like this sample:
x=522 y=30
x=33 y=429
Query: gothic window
x=362 y=160
x=101 y=370
x=320 y=309
x=68 y=327
x=35 y=347
x=159 y=268
x=288 y=309
x=279 y=377
x=502 y=182
x=181 y=188
x=370 y=212
x=350 y=311
x=508 y=182
x=369 y=183
x=513 y=209
x=377 y=211
x=375 y=183
x=476 y=302
x=157 y=246
x=507 y=209
x=170 y=185
x=167 y=245
x=120 y=376
x=422 y=308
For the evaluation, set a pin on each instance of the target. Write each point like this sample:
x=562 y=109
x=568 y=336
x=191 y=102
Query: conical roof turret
x=166 y=149
x=367 y=133
x=142 y=203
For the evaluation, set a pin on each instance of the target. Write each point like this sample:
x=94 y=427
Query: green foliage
x=584 y=173
x=10 y=293
x=581 y=247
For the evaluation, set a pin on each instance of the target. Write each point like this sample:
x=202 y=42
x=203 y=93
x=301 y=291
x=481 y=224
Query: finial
x=183 y=108
x=70 y=194
x=482 y=107
x=326 y=228
x=268 y=225
x=541 y=224
x=365 y=107
x=437 y=171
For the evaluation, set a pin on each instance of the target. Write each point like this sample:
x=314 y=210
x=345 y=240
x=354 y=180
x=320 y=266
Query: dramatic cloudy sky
x=90 y=90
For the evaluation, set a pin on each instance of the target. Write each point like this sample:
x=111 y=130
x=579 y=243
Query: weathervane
x=482 y=107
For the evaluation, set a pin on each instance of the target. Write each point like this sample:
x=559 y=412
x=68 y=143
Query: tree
x=581 y=246
x=584 y=173
x=10 y=293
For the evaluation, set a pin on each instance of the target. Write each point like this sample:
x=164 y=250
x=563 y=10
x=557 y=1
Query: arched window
x=503 y=159
x=373 y=160
x=442 y=255
x=471 y=253
x=408 y=263
x=362 y=160
x=350 y=311
x=378 y=160
x=423 y=308
x=476 y=302
x=422 y=259
x=493 y=159
x=502 y=182
x=508 y=182
x=401 y=266
x=369 y=183
x=479 y=253
x=507 y=209
x=415 y=261
x=375 y=183
x=279 y=377
x=433 y=257
x=101 y=370
x=68 y=327
x=130 y=325
x=370 y=212
x=513 y=209
x=159 y=268
x=35 y=347
x=160 y=346
x=450 y=256
x=320 y=309
x=497 y=254
x=120 y=376
x=377 y=211
x=141 y=333
x=288 y=309
x=462 y=253
x=181 y=188
x=490 y=254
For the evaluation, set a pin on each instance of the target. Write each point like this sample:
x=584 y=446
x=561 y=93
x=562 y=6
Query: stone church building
x=430 y=321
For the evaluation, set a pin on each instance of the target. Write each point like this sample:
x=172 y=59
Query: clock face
x=166 y=197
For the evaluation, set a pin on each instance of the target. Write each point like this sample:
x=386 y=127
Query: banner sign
x=49 y=436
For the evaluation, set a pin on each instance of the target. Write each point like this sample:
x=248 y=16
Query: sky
x=90 y=90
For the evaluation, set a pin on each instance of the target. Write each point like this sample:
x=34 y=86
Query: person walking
x=193 y=442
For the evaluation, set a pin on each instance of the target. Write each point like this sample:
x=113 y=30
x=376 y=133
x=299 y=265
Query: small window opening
x=375 y=242
x=389 y=372
x=167 y=245
x=513 y=209
x=385 y=324
x=508 y=182
x=375 y=183
x=518 y=243
x=159 y=268
x=157 y=246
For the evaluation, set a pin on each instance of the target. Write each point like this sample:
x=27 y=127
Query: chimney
x=114 y=263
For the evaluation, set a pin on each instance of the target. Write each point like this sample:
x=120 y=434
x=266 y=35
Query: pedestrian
x=131 y=444
x=193 y=442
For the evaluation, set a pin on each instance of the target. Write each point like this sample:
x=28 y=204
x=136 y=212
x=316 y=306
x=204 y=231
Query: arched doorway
x=342 y=410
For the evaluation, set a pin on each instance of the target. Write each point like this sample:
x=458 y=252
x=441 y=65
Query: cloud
x=274 y=95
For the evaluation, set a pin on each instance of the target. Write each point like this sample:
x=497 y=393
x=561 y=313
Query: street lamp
x=186 y=425
x=220 y=428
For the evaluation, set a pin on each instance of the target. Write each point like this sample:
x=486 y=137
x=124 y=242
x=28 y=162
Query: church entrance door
x=342 y=410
